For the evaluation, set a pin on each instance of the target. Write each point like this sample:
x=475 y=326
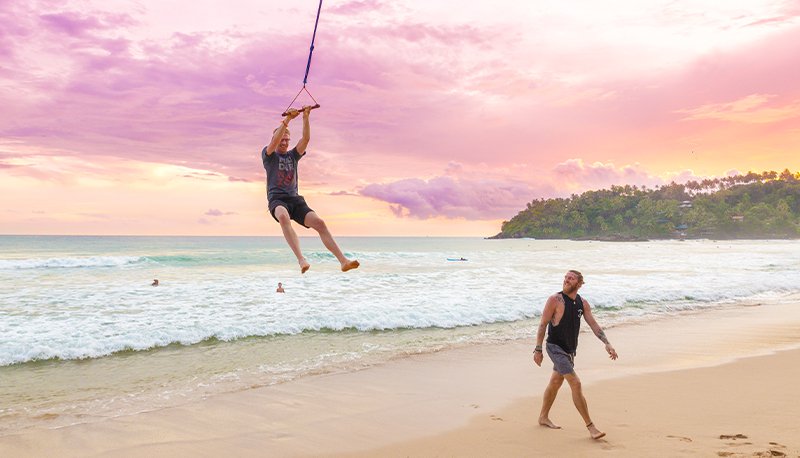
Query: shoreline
x=633 y=238
x=432 y=403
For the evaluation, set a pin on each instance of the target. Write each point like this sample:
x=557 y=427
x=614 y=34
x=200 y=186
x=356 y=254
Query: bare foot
x=596 y=433
x=304 y=266
x=350 y=265
x=548 y=423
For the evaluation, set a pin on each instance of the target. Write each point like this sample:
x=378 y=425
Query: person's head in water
x=573 y=280
x=280 y=288
x=155 y=282
x=283 y=146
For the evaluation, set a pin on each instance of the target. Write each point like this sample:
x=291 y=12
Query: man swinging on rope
x=285 y=204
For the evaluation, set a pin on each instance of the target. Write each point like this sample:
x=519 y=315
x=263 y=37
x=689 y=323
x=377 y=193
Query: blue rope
x=310 y=52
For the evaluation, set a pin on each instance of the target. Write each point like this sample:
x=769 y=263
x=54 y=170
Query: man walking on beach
x=285 y=204
x=562 y=319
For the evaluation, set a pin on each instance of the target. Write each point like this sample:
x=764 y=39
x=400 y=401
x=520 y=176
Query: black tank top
x=565 y=335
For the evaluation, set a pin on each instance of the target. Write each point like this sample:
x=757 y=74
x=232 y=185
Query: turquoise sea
x=83 y=335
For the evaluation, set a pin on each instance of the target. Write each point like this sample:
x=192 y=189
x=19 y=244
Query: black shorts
x=295 y=205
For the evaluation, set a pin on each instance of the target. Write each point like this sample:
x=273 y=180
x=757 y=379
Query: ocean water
x=83 y=335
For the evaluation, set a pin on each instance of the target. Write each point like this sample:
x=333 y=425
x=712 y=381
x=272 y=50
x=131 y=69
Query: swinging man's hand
x=306 y=111
x=292 y=113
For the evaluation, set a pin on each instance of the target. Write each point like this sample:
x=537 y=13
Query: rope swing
x=308 y=67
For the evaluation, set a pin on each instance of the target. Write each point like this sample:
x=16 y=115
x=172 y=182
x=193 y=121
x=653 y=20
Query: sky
x=437 y=118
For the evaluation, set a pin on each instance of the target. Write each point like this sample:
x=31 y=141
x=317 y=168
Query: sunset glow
x=437 y=118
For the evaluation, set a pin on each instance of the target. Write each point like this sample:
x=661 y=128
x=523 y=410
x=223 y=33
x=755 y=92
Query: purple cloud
x=500 y=197
x=217 y=212
x=184 y=101
x=11 y=30
x=451 y=198
x=72 y=24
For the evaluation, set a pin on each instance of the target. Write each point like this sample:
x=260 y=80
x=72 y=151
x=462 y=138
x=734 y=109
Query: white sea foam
x=70 y=262
x=73 y=314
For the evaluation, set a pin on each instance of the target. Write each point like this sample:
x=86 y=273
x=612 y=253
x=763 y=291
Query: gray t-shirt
x=281 y=172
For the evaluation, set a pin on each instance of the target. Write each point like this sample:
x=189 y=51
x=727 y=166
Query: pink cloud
x=427 y=92
x=754 y=108
x=182 y=100
x=145 y=109
x=355 y=7
x=645 y=118
x=206 y=176
x=95 y=215
x=447 y=35
x=772 y=20
x=578 y=175
x=788 y=13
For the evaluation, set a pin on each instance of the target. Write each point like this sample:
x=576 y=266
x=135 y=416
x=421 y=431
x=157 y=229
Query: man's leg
x=581 y=405
x=291 y=236
x=549 y=397
x=315 y=222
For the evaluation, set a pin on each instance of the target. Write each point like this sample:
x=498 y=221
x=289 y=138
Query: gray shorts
x=563 y=362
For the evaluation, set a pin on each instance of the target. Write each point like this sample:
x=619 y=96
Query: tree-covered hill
x=754 y=205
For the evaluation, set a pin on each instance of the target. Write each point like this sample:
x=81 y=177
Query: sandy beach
x=712 y=383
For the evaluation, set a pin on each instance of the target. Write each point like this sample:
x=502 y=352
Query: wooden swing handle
x=313 y=107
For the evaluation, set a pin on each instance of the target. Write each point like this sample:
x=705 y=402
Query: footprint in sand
x=683 y=438
x=777 y=452
x=474 y=406
x=777 y=444
x=769 y=453
x=495 y=417
x=732 y=436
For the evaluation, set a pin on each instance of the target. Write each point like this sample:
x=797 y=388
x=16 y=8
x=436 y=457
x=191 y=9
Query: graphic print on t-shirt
x=285 y=171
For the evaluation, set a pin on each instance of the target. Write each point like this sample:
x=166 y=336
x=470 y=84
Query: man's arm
x=547 y=315
x=278 y=135
x=598 y=331
x=303 y=143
